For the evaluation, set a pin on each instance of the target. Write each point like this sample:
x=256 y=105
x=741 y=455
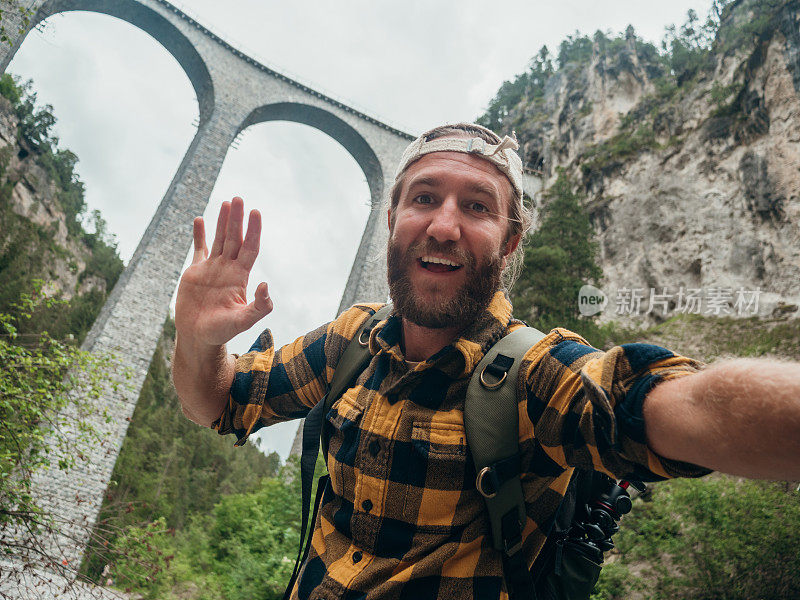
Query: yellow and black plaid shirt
x=402 y=518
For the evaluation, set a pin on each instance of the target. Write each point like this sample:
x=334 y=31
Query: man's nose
x=445 y=222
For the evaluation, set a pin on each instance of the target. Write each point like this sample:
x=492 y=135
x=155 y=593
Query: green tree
x=576 y=48
x=28 y=250
x=168 y=467
x=528 y=86
x=241 y=549
x=559 y=259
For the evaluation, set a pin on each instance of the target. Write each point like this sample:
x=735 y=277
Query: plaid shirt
x=401 y=517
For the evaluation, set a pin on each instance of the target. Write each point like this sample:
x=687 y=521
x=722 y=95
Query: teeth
x=440 y=261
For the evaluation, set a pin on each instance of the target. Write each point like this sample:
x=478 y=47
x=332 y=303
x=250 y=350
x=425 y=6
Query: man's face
x=448 y=239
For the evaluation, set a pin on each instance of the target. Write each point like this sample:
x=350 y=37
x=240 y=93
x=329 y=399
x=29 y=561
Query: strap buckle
x=499 y=368
x=492 y=386
x=487 y=472
x=367 y=330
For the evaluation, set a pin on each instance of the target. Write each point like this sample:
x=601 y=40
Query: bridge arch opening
x=157 y=27
x=124 y=107
x=333 y=126
x=315 y=201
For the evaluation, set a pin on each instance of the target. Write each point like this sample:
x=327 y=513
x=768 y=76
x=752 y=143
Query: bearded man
x=401 y=517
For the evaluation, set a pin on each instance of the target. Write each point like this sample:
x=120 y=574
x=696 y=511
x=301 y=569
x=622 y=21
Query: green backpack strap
x=492 y=430
x=354 y=360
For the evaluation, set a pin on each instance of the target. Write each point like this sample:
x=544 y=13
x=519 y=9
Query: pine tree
x=559 y=259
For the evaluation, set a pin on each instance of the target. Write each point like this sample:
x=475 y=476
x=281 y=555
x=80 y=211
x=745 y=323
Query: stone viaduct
x=234 y=91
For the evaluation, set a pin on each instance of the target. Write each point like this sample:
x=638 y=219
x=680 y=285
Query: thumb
x=260 y=307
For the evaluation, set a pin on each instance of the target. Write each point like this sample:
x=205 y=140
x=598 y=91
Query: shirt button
x=367 y=505
x=357 y=556
x=374 y=447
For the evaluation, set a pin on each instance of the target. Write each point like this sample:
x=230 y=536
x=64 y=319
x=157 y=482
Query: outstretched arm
x=740 y=417
x=212 y=308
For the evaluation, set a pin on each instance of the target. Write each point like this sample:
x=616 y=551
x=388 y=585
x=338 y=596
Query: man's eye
x=478 y=207
x=424 y=199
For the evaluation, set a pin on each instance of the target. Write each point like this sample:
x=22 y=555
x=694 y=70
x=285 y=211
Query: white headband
x=502 y=155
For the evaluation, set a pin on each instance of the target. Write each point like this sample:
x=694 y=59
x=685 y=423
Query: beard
x=459 y=308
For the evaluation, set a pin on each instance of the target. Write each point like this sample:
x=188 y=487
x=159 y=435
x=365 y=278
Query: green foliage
x=104 y=262
x=170 y=468
x=763 y=19
x=576 y=48
x=707 y=338
x=243 y=548
x=716 y=538
x=28 y=251
x=34 y=130
x=559 y=259
x=688 y=48
x=615 y=583
x=619 y=148
x=528 y=86
x=9 y=89
x=37 y=375
x=687 y=51
x=145 y=552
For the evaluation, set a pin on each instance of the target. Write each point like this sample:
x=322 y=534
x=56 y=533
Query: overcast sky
x=128 y=111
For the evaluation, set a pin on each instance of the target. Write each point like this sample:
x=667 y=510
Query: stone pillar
x=367 y=280
x=129 y=327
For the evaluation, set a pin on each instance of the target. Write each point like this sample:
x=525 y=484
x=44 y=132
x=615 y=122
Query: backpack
x=570 y=561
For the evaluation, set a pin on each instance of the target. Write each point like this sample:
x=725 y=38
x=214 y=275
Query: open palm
x=211 y=306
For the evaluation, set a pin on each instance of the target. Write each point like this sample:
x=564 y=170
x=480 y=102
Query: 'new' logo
x=591 y=300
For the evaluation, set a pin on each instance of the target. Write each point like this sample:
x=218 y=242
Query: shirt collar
x=459 y=358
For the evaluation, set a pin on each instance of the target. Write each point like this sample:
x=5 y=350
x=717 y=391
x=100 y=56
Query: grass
x=709 y=338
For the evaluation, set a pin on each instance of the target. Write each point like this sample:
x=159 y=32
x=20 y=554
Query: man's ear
x=389 y=216
x=511 y=245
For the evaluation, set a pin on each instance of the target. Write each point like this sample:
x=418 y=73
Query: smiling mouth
x=435 y=264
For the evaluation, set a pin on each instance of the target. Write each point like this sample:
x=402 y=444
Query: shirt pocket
x=343 y=429
x=439 y=460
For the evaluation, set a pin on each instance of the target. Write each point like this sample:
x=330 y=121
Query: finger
x=249 y=250
x=222 y=226
x=199 y=235
x=233 y=236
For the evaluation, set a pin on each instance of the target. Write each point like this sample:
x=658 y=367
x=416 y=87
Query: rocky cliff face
x=48 y=248
x=42 y=236
x=689 y=185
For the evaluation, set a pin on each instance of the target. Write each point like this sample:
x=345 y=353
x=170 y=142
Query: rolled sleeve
x=246 y=398
x=586 y=405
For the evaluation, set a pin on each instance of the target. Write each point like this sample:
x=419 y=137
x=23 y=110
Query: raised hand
x=211 y=306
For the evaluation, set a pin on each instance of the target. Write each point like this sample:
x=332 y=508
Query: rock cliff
x=41 y=220
x=690 y=178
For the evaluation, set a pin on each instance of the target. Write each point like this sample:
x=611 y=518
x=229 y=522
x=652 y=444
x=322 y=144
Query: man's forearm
x=740 y=417
x=202 y=378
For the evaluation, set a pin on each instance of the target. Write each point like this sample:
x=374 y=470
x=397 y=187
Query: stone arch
x=330 y=124
x=152 y=23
